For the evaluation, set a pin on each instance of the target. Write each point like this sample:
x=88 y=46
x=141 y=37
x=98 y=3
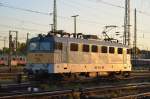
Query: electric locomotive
x=71 y=54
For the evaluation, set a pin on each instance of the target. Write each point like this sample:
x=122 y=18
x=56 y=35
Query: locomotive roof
x=78 y=40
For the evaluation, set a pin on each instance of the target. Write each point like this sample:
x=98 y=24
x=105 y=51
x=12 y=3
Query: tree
x=21 y=48
x=5 y=50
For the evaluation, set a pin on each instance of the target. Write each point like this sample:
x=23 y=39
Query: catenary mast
x=127 y=34
x=55 y=16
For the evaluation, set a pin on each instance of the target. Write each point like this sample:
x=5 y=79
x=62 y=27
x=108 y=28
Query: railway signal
x=11 y=46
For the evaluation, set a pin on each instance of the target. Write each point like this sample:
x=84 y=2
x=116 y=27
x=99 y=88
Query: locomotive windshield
x=41 y=46
x=33 y=46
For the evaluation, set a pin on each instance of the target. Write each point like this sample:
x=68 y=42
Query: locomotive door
x=124 y=56
x=65 y=52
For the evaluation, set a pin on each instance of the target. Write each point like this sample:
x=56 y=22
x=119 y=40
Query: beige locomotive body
x=86 y=56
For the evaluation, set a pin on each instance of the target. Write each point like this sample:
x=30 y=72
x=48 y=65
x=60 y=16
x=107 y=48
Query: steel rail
x=137 y=96
x=79 y=92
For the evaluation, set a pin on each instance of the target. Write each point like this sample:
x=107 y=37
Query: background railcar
x=141 y=63
x=2 y=61
x=21 y=60
x=15 y=60
x=64 y=55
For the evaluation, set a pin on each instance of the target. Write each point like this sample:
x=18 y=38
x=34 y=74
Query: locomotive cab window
x=74 y=47
x=34 y=46
x=85 y=48
x=58 y=46
x=41 y=46
x=120 y=50
x=94 y=48
x=104 y=49
x=128 y=51
x=45 y=46
x=111 y=50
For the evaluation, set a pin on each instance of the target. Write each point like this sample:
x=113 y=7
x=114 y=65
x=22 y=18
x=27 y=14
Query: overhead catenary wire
x=43 y=13
x=74 y=5
x=23 y=9
x=24 y=21
x=122 y=7
x=107 y=3
x=7 y=26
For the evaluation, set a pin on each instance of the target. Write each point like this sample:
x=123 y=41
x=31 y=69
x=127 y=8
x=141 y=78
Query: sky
x=94 y=15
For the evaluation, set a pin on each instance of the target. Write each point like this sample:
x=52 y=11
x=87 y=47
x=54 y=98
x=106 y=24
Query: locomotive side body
x=77 y=56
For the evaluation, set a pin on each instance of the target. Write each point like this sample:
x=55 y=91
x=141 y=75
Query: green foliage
x=6 y=50
x=21 y=50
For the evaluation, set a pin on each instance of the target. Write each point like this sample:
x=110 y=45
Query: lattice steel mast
x=127 y=34
x=55 y=16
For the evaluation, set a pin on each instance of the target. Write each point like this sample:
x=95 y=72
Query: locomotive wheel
x=115 y=75
x=70 y=76
x=126 y=74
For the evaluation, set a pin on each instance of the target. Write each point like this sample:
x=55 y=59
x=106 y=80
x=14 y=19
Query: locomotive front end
x=40 y=56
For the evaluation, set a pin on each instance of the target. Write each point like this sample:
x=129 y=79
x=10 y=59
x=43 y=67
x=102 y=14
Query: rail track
x=74 y=84
x=13 y=69
x=17 y=91
x=104 y=92
x=137 y=96
x=135 y=77
x=17 y=75
x=12 y=87
x=10 y=76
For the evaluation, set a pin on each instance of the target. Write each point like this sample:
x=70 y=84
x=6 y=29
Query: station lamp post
x=75 y=24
